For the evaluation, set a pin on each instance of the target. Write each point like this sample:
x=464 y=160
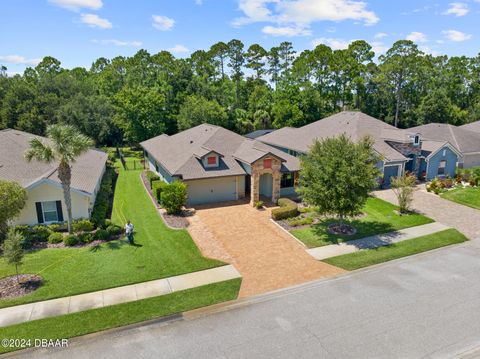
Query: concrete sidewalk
x=379 y=240
x=77 y=303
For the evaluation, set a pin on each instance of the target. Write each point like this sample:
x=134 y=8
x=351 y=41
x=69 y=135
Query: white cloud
x=302 y=13
x=428 y=50
x=417 y=37
x=94 y=20
x=457 y=9
x=178 y=49
x=78 y=4
x=162 y=23
x=378 y=47
x=287 y=31
x=457 y=36
x=116 y=42
x=19 y=60
x=380 y=35
x=335 y=44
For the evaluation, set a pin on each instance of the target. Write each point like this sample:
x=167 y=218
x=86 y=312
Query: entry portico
x=269 y=165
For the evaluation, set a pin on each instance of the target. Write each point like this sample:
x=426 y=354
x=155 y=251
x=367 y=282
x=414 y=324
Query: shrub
x=174 y=197
x=27 y=242
x=101 y=235
x=55 y=237
x=107 y=223
x=152 y=176
x=113 y=230
x=54 y=227
x=258 y=204
x=157 y=189
x=287 y=209
x=403 y=187
x=70 y=240
x=85 y=237
x=83 y=225
x=104 y=195
x=300 y=221
x=40 y=233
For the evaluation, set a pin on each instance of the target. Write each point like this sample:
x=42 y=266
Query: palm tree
x=65 y=144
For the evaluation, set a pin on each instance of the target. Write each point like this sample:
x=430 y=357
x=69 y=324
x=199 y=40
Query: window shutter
x=38 y=205
x=59 y=211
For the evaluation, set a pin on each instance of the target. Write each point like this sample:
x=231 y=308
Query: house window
x=50 y=211
x=211 y=160
x=416 y=140
x=287 y=180
x=441 y=167
x=293 y=153
x=444 y=152
x=267 y=163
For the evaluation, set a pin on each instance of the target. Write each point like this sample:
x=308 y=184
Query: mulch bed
x=177 y=220
x=45 y=245
x=341 y=229
x=11 y=288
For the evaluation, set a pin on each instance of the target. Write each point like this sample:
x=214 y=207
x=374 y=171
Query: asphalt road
x=426 y=306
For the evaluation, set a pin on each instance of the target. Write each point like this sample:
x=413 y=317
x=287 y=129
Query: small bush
x=107 y=223
x=152 y=176
x=55 y=237
x=83 y=225
x=40 y=233
x=71 y=240
x=101 y=235
x=27 y=242
x=54 y=227
x=174 y=197
x=113 y=230
x=85 y=237
x=258 y=204
x=287 y=209
x=300 y=221
x=157 y=189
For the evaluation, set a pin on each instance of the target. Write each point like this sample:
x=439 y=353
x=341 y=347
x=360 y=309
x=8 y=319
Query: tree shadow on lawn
x=364 y=229
x=116 y=244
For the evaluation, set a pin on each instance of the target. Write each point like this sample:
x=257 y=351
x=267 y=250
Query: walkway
x=378 y=240
x=462 y=218
x=266 y=256
x=103 y=298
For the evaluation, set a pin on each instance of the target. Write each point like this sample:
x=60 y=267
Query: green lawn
x=71 y=325
x=368 y=257
x=161 y=252
x=380 y=217
x=468 y=196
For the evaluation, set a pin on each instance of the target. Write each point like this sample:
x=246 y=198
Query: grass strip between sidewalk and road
x=90 y=321
x=368 y=257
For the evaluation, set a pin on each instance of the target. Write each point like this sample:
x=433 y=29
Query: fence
x=130 y=164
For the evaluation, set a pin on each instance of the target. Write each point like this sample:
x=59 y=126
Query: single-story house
x=399 y=150
x=219 y=165
x=45 y=203
x=467 y=142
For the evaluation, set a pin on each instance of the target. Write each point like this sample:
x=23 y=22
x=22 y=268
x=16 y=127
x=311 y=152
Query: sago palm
x=65 y=144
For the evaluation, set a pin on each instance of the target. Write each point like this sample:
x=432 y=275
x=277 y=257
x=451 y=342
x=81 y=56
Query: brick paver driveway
x=266 y=256
x=462 y=218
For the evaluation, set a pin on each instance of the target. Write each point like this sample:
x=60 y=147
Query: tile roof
x=464 y=140
x=86 y=170
x=354 y=124
x=181 y=153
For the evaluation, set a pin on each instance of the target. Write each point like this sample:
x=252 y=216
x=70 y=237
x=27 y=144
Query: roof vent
x=191 y=141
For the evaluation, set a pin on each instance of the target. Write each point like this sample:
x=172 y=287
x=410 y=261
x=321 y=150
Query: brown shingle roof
x=86 y=170
x=180 y=154
x=473 y=126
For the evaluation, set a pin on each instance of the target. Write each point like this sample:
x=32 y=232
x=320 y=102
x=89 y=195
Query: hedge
x=174 y=197
x=287 y=209
x=102 y=202
x=152 y=176
x=157 y=189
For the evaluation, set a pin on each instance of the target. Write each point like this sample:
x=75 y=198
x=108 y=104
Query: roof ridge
x=453 y=136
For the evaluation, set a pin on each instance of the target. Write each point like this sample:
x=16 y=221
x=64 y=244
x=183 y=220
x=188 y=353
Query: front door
x=248 y=184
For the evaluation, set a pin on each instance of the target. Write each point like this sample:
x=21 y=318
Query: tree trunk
x=65 y=175
x=16 y=270
x=398 y=97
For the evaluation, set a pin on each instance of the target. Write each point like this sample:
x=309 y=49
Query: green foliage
x=85 y=237
x=258 y=204
x=404 y=187
x=157 y=188
x=152 y=176
x=12 y=248
x=55 y=238
x=300 y=221
x=71 y=240
x=174 y=197
x=114 y=230
x=83 y=225
x=101 y=235
x=40 y=233
x=12 y=201
x=104 y=197
x=287 y=209
x=338 y=175
x=197 y=110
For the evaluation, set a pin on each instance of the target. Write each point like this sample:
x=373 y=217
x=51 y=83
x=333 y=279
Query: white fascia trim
x=56 y=184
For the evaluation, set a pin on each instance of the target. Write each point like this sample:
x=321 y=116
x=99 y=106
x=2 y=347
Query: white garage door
x=211 y=190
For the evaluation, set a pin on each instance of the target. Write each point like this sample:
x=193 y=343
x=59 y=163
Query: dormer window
x=212 y=160
x=267 y=163
x=416 y=140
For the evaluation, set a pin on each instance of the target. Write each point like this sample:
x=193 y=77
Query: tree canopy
x=12 y=201
x=129 y=99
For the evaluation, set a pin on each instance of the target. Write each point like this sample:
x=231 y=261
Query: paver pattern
x=128 y=293
x=376 y=241
x=460 y=217
x=266 y=256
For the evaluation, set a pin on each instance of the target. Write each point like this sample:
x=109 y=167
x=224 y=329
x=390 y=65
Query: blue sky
x=78 y=31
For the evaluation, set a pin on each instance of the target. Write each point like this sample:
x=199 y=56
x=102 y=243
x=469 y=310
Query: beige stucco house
x=45 y=203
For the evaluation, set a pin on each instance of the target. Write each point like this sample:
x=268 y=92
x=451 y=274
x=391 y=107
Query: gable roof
x=354 y=124
x=472 y=126
x=464 y=140
x=86 y=170
x=258 y=133
x=180 y=154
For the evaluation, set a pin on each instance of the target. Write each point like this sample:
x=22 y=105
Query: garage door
x=388 y=173
x=211 y=190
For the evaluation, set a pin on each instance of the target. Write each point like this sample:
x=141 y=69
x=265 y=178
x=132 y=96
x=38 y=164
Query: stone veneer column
x=254 y=187
x=276 y=175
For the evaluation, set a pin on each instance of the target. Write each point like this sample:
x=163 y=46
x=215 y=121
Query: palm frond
x=40 y=151
x=68 y=142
